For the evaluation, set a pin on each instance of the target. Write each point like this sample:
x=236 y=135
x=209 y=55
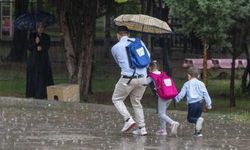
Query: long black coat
x=39 y=74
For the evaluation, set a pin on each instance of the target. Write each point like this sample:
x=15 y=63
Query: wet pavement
x=48 y=125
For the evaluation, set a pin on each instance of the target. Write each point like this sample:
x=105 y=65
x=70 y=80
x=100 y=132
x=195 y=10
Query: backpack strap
x=130 y=62
x=129 y=57
x=130 y=79
x=128 y=53
x=164 y=74
x=132 y=40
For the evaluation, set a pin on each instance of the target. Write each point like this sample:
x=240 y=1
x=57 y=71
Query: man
x=130 y=84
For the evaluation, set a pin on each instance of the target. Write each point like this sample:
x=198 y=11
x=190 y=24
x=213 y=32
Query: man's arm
x=114 y=54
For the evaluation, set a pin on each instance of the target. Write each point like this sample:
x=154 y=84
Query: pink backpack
x=164 y=85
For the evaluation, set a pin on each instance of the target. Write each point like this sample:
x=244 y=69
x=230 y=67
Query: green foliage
x=208 y=19
x=121 y=1
x=130 y=7
x=211 y=19
x=49 y=6
x=240 y=9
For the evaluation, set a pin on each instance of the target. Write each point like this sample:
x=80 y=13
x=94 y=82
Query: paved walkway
x=45 y=125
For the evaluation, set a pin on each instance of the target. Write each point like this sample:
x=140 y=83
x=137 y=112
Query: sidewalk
x=48 y=125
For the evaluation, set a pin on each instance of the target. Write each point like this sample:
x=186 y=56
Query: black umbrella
x=28 y=21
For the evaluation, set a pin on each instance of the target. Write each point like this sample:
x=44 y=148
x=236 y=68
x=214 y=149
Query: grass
x=15 y=82
x=218 y=90
x=13 y=87
x=16 y=87
x=4 y=50
x=55 y=35
x=12 y=83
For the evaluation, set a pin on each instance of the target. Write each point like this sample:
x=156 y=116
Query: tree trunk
x=85 y=66
x=89 y=19
x=204 y=73
x=244 y=83
x=107 y=39
x=205 y=49
x=147 y=8
x=90 y=91
x=239 y=43
x=18 y=50
x=79 y=35
x=236 y=42
x=160 y=11
x=165 y=56
x=71 y=59
x=248 y=69
x=232 y=82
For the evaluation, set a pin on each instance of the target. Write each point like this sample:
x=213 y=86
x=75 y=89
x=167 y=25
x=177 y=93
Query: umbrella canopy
x=28 y=21
x=143 y=23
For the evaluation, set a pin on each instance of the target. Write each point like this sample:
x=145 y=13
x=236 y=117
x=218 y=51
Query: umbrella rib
x=167 y=31
x=143 y=23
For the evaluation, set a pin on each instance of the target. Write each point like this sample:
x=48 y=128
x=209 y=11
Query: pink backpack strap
x=153 y=76
x=164 y=74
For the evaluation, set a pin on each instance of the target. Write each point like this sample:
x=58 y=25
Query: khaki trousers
x=135 y=90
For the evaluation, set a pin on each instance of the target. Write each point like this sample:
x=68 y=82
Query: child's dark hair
x=153 y=64
x=193 y=72
x=123 y=30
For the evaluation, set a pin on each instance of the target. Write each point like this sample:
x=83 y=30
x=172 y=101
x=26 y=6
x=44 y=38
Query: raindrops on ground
x=32 y=125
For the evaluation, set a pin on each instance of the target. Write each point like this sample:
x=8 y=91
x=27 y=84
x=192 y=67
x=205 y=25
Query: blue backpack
x=137 y=54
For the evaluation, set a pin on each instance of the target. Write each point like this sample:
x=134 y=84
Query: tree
x=147 y=9
x=220 y=22
x=78 y=25
x=239 y=32
x=207 y=19
x=161 y=11
x=77 y=21
x=242 y=15
x=244 y=83
x=108 y=10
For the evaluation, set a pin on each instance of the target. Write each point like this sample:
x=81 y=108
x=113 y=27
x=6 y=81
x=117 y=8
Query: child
x=162 y=104
x=195 y=91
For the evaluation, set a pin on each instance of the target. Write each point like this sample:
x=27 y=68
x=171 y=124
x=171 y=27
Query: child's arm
x=148 y=81
x=206 y=96
x=181 y=94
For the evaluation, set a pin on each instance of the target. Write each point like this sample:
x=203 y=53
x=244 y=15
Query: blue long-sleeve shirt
x=195 y=91
x=120 y=55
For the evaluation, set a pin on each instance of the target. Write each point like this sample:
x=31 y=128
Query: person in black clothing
x=39 y=74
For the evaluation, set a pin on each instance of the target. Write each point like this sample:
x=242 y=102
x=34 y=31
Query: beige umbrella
x=143 y=23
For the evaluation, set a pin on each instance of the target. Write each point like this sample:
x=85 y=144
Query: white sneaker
x=198 y=134
x=161 y=132
x=174 y=128
x=140 y=132
x=128 y=125
x=198 y=125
